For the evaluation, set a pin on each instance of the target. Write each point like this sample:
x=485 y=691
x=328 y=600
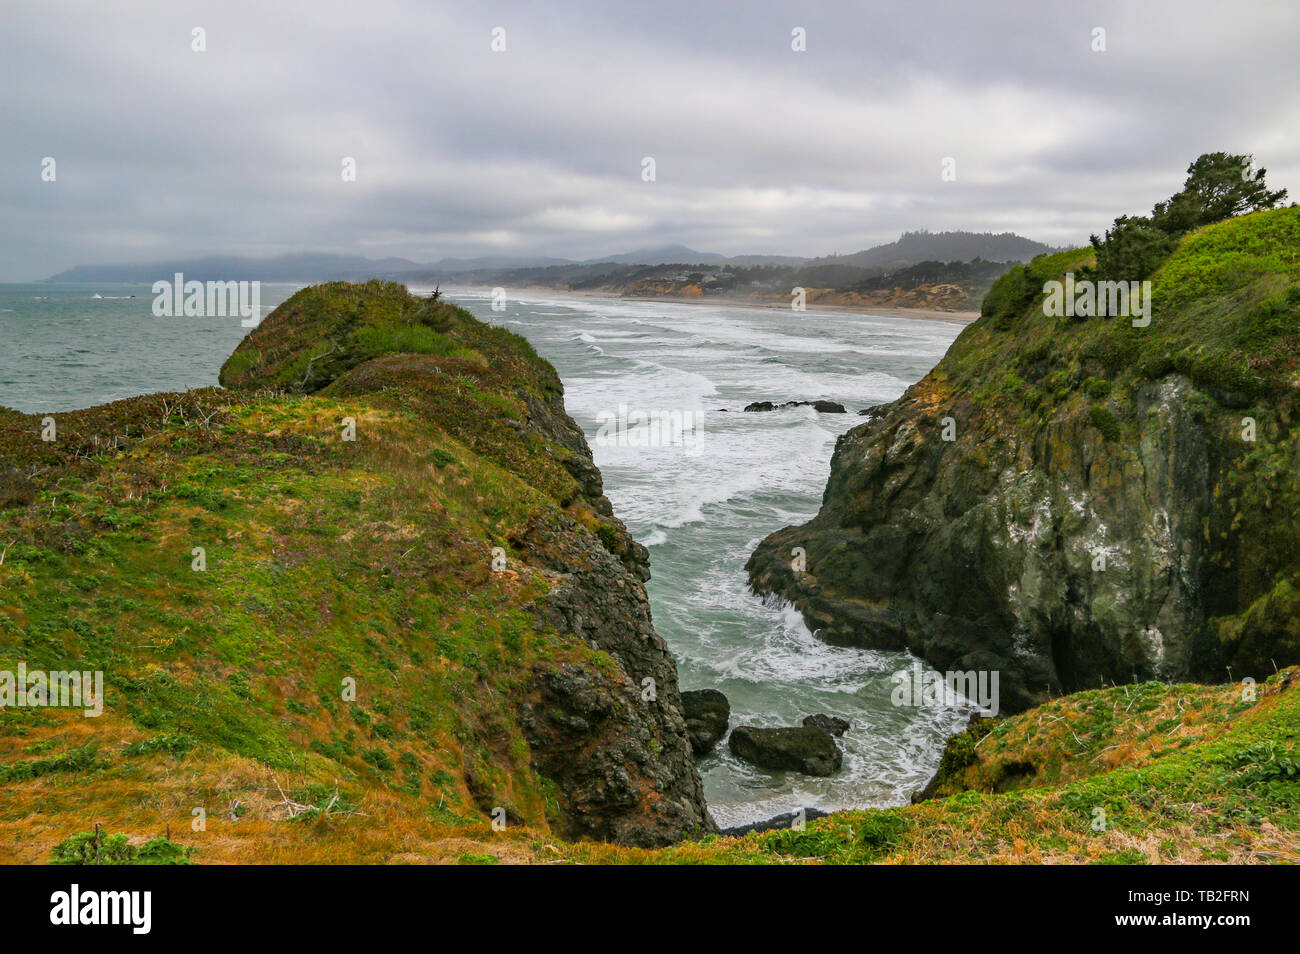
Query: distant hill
x=915 y=247
x=308 y=267
x=682 y=255
x=451 y=265
x=912 y=248
x=663 y=255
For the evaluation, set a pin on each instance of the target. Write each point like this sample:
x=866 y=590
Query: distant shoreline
x=882 y=311
x=731 y=301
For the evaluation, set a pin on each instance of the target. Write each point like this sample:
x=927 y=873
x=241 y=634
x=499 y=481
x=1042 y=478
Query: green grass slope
x=327 y=563
x=1140 y=774
x=1225 y=311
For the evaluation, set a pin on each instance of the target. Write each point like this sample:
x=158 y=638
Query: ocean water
x=699 y=492
x=701 y=504
x=62 y=349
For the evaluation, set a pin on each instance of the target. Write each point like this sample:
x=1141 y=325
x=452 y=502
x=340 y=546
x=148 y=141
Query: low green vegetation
x=97 y=848
x=1245 y=268
x=287 y=586
x=1219 y=186
x=1139 y=774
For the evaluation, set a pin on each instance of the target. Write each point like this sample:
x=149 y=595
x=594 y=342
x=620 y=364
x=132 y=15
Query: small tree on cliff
x=1218 y=187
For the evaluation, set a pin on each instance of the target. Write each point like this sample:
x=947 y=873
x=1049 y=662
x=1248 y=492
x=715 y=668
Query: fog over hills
x=910 y=249
x=922 y=246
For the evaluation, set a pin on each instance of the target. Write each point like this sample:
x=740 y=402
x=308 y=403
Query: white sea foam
x=702 y=514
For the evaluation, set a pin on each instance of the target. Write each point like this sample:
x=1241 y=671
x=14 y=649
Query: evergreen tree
x=1218 y=186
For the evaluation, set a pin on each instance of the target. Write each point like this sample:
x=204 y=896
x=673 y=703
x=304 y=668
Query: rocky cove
x=482 y=645
x=392 y=496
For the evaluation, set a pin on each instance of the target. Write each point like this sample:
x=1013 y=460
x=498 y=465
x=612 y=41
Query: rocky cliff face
x=1072 y=501
x=414 y=610
x=613 y=740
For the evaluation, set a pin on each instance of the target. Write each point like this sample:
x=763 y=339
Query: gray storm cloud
x=537 y=150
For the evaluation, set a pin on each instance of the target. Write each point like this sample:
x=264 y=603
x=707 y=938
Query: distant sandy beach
x=883 y=311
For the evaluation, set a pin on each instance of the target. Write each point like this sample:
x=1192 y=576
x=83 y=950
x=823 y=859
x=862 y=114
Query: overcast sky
x=162 y=151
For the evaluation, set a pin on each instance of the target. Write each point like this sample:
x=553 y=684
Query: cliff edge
x=1073 y=501
x=373 y=585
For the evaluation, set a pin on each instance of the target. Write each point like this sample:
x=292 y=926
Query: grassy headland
x=371 y=559
x=417 y=563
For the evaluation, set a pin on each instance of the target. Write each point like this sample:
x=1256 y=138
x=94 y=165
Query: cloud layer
x=461 y=151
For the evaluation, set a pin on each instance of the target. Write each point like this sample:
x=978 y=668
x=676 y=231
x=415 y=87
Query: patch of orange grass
x=148 y=796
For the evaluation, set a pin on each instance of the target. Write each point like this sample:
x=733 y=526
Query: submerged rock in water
x=776 y=822
x=707 y=713
x=827 y=723
x=804 y=749
x=825 y=407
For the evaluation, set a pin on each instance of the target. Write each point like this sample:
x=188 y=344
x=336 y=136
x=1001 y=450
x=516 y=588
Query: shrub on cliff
x=1219 y=186
x=97 y=848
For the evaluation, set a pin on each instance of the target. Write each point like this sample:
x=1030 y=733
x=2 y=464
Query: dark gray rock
x=775 y=823
x=796 y=749
x=824 y=407
x=827 y=723
x=985 y=553
x=707 y=713
x=623 y=763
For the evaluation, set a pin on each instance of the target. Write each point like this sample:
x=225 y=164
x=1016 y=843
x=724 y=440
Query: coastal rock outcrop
x=776 y=822
x=822 y=406
x=376 y=574
x=827 y=723
x=805 y=749
x=621 y=757
x=1076 y=501
x=707 y=713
